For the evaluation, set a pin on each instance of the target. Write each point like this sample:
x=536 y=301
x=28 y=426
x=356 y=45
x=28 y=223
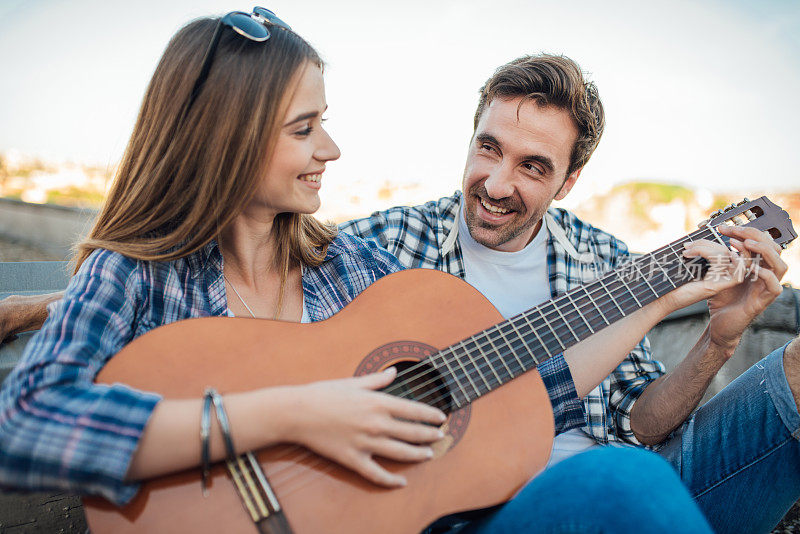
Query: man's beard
x=500 y=234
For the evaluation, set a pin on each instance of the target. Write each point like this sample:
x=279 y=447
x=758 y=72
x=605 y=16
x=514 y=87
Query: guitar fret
x=679 y=257
x=613 y=300
x=600 y=311
x=488 y=361
x=564 y=319
x=535 y=333
x=513 y=352
x=577 y=309
x=551 y=329
x=645 y=279
x=717 y=236
x=631 y=292
x=666 y=273
x=466 y=372
x=525 y=343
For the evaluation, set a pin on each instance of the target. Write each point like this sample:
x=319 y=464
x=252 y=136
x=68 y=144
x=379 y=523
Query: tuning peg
x=729 y=206
x=745 y=201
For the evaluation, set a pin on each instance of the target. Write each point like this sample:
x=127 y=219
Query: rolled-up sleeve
x=567 y=407
x=626 y=385
x=58 y=429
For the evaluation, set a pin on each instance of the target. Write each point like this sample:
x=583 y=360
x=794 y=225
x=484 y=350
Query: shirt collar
x=207 y=256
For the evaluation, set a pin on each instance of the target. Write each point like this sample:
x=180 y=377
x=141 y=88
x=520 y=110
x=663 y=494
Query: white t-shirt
x=514 y=282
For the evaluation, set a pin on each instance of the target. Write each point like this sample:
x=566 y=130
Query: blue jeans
x=609 y=490
x=739 y=454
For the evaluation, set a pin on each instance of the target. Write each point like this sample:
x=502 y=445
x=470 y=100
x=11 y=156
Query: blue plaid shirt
x=424 y=236
x=58 y=429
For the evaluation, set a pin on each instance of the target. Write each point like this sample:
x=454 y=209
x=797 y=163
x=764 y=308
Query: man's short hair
x=551 y=80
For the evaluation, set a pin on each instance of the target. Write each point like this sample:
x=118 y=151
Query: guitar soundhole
x=417 y=379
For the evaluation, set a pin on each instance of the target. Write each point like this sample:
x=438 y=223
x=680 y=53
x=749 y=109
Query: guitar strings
x=621 y=289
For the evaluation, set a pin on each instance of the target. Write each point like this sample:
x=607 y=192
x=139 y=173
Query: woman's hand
x=351 y=423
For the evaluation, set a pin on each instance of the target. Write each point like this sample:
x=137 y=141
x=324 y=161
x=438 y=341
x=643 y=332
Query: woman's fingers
x=414 y=411
x=414 y=432
x=374 y=380
x=399 y=451
x=365 y=465
x=398 y=407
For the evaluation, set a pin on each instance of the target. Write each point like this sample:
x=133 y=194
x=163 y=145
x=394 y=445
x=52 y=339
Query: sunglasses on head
x=253 y=26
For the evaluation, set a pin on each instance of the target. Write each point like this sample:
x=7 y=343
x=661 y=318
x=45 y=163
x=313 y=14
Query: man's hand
x=737 y=292
x=739 y=284
x=21 y=314
x=733 y=309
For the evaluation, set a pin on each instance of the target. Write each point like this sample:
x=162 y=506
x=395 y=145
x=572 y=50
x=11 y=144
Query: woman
x=209 y=214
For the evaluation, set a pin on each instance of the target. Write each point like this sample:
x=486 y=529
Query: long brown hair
x=182 y=180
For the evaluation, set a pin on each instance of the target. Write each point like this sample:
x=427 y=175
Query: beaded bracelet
x=211 y=396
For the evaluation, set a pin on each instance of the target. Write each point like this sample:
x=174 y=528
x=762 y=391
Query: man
x=537 y=123
x=536 y=126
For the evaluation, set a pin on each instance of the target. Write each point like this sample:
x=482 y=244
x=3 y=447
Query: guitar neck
x=487 y=360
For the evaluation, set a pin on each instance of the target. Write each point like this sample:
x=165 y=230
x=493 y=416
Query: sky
x=702 y=93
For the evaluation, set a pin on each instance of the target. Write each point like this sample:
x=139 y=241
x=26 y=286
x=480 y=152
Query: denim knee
x=777 y=387
x=620 y=466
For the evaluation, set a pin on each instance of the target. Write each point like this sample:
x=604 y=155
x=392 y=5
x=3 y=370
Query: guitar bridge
x=257 y=495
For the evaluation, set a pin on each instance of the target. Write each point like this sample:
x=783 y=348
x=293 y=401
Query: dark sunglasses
x=253 y=26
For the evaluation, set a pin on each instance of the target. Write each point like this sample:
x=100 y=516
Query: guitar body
x=492 y=447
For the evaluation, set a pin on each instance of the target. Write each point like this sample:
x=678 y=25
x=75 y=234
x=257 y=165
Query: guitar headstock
x=760 y=213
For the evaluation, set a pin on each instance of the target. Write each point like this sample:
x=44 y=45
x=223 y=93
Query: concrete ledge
x=33 y=277
x=47 y=226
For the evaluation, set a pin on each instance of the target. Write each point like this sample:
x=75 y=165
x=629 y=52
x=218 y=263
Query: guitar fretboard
x=477 y=365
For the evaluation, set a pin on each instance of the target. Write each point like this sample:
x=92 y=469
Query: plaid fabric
x=60 y=430
x=422 y=236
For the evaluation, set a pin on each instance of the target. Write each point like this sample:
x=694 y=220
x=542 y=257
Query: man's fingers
x=740 y=248
x=748 y=232
x=704 y=248
x=716 y=255
x=768 y=255
x=771 y=280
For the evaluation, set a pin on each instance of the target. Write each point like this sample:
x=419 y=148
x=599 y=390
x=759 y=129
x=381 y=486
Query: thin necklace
x=238 y=295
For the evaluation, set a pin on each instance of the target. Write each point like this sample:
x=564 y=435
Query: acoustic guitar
x=452 y=349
